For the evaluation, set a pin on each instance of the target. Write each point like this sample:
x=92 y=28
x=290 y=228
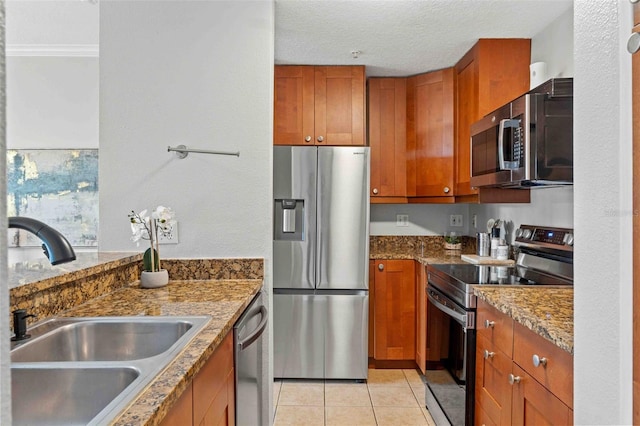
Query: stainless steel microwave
x=527 y=143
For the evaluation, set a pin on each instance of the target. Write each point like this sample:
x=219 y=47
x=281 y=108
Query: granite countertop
x=223 y=300
x=41 y=275
x=432 y=257
x=548 y=311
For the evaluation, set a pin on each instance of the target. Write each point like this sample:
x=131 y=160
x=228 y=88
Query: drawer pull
x=514 y=379
x=489 y=324
x=537 y=361
x=488 y=354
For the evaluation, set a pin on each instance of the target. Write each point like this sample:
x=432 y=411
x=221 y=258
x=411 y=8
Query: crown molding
x=88 y=50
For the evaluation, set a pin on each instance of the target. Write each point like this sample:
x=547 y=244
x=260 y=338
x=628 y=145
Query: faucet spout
x=55 y=245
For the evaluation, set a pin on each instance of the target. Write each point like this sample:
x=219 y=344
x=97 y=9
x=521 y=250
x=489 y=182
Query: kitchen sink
x=65 y=396
x=103 y=339
x=85 y=371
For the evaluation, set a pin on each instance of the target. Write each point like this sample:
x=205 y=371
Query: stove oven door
x=452 y=396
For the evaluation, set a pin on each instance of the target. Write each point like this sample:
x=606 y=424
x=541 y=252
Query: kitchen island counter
x=223 y=300
x=547 y=311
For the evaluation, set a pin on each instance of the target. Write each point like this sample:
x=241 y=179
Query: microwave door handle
x=504 y=124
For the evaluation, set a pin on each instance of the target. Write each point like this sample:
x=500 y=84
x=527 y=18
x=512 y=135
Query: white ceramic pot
x=154 y=279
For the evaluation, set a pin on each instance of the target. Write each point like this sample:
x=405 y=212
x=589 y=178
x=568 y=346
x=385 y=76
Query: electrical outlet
x=174 y=240
x=474 y=221
x=402 y=220
x=455 y=220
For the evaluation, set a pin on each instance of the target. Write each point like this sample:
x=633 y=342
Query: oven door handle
x=466 y=319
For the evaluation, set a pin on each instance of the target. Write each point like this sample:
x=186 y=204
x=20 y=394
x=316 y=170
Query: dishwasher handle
x=255 y=334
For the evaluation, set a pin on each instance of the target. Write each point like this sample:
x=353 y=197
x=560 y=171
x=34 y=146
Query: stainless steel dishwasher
x=250 y=364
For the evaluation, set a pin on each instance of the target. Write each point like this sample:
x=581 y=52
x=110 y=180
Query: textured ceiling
x=399 y=38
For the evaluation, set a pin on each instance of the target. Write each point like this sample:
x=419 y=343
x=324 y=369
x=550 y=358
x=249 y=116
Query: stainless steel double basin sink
x=85 y=371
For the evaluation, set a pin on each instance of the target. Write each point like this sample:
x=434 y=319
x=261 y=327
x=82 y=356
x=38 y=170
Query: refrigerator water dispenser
x=288 y=220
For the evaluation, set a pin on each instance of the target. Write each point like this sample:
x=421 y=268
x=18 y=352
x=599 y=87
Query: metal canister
x=483 y=243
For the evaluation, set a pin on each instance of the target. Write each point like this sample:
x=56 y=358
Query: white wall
x=602 y=194
x=554 y=46
x=198 y=73
x=193 y=73
x=52 y=102
x=5 y=335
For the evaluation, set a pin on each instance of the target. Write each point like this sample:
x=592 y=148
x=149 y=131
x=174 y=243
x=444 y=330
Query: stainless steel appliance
x=320 y=266
x=545 y=257
x=528 y=142
x=250 y=369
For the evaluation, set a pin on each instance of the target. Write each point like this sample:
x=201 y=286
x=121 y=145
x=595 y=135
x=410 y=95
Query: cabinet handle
x=381 y=267
x=320 y=138
x=489 y=324
x=375 y=190
x=537 y=361
x=488 y=354
x=307 y=139
x=514 y=379
x=446 y=189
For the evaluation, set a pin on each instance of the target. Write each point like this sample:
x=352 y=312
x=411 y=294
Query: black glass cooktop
x=497 y=275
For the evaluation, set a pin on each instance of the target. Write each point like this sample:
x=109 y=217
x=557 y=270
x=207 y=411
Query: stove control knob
x=526 y=234
x=569 y=239
x=519 y=232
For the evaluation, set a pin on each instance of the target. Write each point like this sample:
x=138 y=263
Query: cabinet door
x=466 y=114
x=421 y=317
x=182 y=412
x=293 y=105
x=387 y=126
x=430 y=147
x=395 y=310
x=533 y=404
x=492 y=392
x=492 y=73
x=372 y=308
x=339 y=105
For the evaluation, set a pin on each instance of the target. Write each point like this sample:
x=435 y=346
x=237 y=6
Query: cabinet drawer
x=556 y=374
x=496 y=327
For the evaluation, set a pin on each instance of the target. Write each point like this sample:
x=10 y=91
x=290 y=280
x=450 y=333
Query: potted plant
x=452 y=242
x=143 y=227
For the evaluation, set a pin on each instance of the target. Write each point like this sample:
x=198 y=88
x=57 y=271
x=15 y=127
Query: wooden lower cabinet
x=534 y=404
x=510 y=388
x=210 y=398
x=394 y=310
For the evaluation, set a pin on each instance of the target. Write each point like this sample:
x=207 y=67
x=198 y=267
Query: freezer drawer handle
x=255 y=333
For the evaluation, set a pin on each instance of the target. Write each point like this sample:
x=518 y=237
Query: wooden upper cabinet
x=492 y=73
x=387 y=127
x=319 y=105
x=430 y=144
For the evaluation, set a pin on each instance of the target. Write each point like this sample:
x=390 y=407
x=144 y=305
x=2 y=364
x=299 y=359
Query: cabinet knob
x=320 y=138
x=307 y=139
x=489 y=324
x=381 y=267
x=537 y=361
x=446 y=189
x=375 y=190
x=633 y=44
x=633 y=1
x=514 y=379
x=488 y=354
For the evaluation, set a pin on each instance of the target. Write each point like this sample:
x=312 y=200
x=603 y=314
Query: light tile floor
x=390 y=397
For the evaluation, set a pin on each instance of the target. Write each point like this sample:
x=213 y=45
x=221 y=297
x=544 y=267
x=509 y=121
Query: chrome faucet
x=55 y=245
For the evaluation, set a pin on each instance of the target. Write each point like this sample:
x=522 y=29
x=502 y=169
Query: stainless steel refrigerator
x=320 y=262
